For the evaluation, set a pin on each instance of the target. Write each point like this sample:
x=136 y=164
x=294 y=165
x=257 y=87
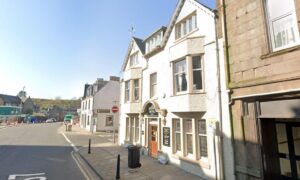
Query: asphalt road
x=39 y=150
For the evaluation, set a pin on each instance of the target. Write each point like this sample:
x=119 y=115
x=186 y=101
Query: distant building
x=96 y=105
x=10 y=106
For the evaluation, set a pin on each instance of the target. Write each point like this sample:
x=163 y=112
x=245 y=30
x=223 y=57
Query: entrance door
x=153 y=140
x=288 y=141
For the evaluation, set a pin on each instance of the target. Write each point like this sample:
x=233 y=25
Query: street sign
x=115 y=109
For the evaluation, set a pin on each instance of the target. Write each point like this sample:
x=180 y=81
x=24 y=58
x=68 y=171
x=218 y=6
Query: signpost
x=115 y=109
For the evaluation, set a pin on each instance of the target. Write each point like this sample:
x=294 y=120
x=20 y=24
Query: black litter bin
x=134 y=156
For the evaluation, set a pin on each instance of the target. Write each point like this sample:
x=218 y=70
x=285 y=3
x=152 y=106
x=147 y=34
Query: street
x=36 y=150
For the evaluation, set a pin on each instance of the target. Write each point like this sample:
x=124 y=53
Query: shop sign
x=166 y=136
x=103 y=110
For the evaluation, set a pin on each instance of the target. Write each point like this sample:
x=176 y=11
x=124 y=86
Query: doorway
x=153 y=140
x=281 y=147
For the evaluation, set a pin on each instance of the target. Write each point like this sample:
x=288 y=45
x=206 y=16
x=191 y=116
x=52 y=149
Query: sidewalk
x=104 y=153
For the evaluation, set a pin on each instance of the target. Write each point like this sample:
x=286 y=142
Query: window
x=190 y=138
x=188 y=132
x=137 y=129
x=154 y=41
x=153 y=84
x=134 y=60
x=202 y=138
x=180 y=76
x=136 y=89
x=127 y=86
x=88 y=120
x=177 y=139
x=127 y=128
x=185 y=26
x=197 y=73
x=132 y=129
x=282 y=23
x=109 y=121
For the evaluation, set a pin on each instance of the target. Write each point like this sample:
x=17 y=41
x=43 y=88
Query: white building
x=171 y=94
x=99 y=98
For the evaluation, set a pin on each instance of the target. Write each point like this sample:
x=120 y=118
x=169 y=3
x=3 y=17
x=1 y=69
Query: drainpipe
x=221 y=159
x=228 y=78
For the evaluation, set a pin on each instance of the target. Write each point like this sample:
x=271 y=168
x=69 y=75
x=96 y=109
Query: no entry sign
x=115 y=109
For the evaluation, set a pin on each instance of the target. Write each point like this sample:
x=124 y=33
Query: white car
x=51 y=120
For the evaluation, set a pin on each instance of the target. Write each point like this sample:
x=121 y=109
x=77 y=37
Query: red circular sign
x=115 y=109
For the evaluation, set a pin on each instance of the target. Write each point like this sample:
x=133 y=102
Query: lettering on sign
x=103 y=110
x=166 y=136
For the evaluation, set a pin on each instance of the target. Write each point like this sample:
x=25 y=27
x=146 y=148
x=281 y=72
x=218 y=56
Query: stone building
x=261 y=45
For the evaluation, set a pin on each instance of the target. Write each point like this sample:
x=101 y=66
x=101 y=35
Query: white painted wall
x=107 y=97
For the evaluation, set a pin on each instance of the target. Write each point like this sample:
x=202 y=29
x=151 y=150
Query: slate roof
x=10 y=99
x=139 y=42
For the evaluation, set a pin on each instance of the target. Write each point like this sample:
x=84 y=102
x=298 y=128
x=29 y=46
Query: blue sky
x=54 y=47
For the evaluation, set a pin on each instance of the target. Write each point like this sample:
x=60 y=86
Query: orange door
x=153 y=141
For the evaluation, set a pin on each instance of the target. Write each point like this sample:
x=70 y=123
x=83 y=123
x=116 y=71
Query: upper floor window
x=185 y=26
x=136 y=85
x=127 y=86
x=154 y=41
x=134 y=60
x=282 y=22
x=197 y=73
x=188 y=75
x=153 y=84
x=180 y=76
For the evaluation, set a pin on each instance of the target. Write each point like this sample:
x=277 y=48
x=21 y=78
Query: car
x=51 y=120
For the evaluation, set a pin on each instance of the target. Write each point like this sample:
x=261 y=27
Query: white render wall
x=106 y=98
x=205 y=104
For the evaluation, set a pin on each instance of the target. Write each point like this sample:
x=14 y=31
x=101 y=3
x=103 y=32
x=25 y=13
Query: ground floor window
x=109 y=121
x=132 y=129
x=190 y=138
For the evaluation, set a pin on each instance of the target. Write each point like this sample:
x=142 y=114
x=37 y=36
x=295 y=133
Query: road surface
x=36 y=150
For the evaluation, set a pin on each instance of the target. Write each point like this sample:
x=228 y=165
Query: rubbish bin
x=134 y=156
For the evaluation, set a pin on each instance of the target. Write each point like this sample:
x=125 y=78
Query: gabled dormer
x=153 y=42
x=135 y=53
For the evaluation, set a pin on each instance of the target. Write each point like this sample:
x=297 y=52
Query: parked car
x=51 y=120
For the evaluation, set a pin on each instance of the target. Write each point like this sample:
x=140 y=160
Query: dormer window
x=134 y=60
x=186 y=26
x=154 y=41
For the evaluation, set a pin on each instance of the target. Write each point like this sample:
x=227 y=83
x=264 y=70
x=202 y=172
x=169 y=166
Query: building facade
x=261 y=41
x=171 y=94
x=99 y=98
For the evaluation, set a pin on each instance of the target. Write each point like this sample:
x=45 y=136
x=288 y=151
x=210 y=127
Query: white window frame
x=186 y=26
x=127 y=91
x=134 y=59
x=196 y=155
x=271 y=25
x=180 y=73
x=201 y=72
x=136 y=90
x=153 y=85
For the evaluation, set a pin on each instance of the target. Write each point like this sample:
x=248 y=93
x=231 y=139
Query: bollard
x=89 y=151
x=118 y=168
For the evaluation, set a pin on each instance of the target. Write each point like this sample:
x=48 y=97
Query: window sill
x=186 y=93
x=192 y=161
x=280 y=52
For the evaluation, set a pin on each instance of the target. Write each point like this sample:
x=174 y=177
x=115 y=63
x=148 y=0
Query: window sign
x=166 y=136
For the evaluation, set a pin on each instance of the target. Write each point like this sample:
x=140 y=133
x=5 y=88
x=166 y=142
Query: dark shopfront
x=267 y=139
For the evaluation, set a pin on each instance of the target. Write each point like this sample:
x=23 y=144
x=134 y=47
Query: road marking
x=74 y=147
x=80 y=166
x=14 y=176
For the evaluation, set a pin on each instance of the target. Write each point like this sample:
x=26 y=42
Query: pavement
x=103 y=158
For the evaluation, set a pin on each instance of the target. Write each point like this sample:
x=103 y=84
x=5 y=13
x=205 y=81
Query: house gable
x=136 y=46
